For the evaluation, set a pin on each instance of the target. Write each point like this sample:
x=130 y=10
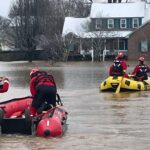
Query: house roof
x=105 y=34
x=79 y=27
x=147 y=22
x=76 y=26
x=110 y=10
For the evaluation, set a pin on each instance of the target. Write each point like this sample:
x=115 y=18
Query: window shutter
x=139 y=46
x=149 y=45
x=117 y=23
x=129 y=22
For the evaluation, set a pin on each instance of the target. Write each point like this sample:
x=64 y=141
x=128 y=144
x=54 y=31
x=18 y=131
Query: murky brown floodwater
x=96 y=120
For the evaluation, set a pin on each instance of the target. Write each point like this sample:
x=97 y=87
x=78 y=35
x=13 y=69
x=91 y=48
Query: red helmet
x=119 y=56
x=141 y=59
x=33 y=71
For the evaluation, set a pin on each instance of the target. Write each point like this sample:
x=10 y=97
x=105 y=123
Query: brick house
x=139 y=42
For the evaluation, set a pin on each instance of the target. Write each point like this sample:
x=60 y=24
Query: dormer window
x=135 y=23
x=110 y=23
x=123 y=23
x=98 y=24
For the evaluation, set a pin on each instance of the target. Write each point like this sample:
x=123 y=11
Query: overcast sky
x=4 y=7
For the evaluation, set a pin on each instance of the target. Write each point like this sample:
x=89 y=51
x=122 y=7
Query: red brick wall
x=133 y=43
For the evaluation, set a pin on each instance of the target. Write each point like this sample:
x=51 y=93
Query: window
x=110 y=23
x=115 y=45
x=135 y=23
x=122 y=44
x=119 y=44
x=144 y=46
x=123 y=23
x=98 y=24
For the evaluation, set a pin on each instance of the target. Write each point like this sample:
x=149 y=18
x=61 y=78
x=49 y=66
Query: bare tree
x=24 y=22
x=60 y=9
x=77 y=8
x=4 y=26
x=33 y=19
x=4 y=23
x=68 y=40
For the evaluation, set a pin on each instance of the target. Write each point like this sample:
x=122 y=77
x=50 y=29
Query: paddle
x=119 y=86
x=147 y=81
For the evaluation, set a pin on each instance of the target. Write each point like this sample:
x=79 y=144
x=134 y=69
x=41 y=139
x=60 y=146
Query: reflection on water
x=126 y=96
x=96 y=120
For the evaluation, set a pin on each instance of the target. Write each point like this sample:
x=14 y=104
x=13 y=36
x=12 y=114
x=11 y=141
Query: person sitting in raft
x=119 y=67
x=43 y=89
x=141 y=70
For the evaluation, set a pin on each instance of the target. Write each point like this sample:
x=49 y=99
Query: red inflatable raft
x=15 y=118
x=4 y=84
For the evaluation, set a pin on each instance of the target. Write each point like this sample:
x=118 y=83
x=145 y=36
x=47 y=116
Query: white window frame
x=98 y=24
x=123 y=22
x=144 y=46
x=110 y=23
x=135 y=21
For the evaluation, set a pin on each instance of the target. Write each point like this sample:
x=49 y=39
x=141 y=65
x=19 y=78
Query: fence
x=24 y=55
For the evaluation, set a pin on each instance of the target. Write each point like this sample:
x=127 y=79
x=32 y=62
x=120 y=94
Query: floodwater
x=96 y=120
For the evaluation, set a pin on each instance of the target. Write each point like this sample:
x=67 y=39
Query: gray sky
x=4 y=7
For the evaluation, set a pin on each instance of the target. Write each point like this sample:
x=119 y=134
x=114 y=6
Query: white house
x=111 y=22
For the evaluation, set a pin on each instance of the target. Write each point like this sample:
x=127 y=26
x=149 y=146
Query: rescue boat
x=15 y=119
x=126 y=84
x=4 y=84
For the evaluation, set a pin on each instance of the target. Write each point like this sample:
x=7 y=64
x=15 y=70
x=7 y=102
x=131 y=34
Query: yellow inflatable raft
x=125 y=84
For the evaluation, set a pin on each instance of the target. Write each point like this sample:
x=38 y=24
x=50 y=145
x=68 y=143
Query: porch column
x=80 y=47
x=92 y=52
x=104 y=51
x=118 y=43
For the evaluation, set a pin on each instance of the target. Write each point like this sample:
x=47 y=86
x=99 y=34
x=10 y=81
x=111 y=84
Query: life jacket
x=142 y=71
x=117 y=68
x=43 y=77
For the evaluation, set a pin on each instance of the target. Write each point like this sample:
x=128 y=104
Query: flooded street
x=96 y=120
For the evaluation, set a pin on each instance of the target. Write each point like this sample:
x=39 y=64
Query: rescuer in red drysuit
x=4 y=85
x=141 y=70
x=43 y=89
x=119 y=67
